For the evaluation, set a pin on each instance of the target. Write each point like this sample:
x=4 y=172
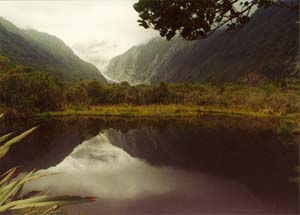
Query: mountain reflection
x=98 y=168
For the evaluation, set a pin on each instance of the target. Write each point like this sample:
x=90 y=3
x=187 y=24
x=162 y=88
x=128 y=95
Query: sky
x=97 y=30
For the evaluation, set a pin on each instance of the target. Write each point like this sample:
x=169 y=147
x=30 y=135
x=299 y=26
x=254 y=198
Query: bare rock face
x=267 y=46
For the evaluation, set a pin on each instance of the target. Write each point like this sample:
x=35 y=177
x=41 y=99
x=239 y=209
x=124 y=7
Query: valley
x=196 y=112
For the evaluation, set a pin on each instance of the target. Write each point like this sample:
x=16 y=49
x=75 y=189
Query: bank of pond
x=26 y=92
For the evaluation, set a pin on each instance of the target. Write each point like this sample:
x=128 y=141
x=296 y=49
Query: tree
x=96 y=92
x=158 y=94
x=118 y=93
x=77 y=95
x=24 y=89
x=197 y=19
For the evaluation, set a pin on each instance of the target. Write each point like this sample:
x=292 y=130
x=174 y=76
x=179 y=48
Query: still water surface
x=211 y=165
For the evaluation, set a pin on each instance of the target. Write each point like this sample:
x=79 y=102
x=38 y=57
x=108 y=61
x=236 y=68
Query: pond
x=208 y=165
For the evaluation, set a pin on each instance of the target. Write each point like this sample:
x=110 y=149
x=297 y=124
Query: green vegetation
x=29 y=91
x=11 y=186
x=162 y=111
x=24 y=90
x=44 y=52
x=197 y=19
x=223 y=57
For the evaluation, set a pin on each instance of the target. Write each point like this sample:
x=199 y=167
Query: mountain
x=44 y=52
x=267 y=47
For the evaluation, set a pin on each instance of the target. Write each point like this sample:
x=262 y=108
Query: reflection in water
x=210 y=165
x=98 y=168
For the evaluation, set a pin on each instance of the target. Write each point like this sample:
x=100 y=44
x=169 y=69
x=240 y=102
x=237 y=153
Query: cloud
x=103 y=28
x=97 y=52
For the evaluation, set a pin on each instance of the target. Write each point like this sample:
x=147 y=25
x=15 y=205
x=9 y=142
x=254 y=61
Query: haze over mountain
x=44 y=52
x=92 y=29
x=267 y=46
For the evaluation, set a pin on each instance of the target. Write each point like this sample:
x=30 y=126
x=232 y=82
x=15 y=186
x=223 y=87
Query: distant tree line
x=26 y=90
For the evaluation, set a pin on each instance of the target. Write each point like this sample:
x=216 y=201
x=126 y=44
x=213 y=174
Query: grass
x=166 y=111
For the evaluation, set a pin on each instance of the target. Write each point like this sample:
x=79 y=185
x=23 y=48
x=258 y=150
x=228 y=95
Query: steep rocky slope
x=44 y=52
x=268 y=46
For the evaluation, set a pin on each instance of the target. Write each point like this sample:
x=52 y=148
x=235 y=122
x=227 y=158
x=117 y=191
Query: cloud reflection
x=98 y=168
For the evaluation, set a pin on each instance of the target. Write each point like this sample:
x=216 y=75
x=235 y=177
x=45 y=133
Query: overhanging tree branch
x=197 y=19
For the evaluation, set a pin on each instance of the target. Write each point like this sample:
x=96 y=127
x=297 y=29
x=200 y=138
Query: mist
x=96 y=30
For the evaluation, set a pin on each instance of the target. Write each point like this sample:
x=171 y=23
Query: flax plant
x=12 y=183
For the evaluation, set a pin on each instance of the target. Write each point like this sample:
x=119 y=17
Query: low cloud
x=97 y=52
x=96 y=30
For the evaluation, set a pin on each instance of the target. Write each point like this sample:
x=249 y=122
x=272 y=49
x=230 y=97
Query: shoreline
x=167 y=111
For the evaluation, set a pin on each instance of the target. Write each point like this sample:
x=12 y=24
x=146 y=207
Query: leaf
x=244 y=20
x=7 y=176
x=29 y=194
x=45 y=201
x=143 y=23
x=4 y=137
x=51 y=210
x=4 y=148
x=30 y=211
x=137 y=7
x=9 y=190
x=163 y=32
x=170 y=35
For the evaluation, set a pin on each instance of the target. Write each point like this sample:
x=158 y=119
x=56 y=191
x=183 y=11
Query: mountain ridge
x=266 y=46
x=44 y=52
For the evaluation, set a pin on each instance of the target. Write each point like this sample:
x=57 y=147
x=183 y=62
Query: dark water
x=211 y=165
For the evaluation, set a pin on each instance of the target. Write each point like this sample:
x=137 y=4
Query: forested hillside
x=26 y=91
x=266 y=47
x=44 y=52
